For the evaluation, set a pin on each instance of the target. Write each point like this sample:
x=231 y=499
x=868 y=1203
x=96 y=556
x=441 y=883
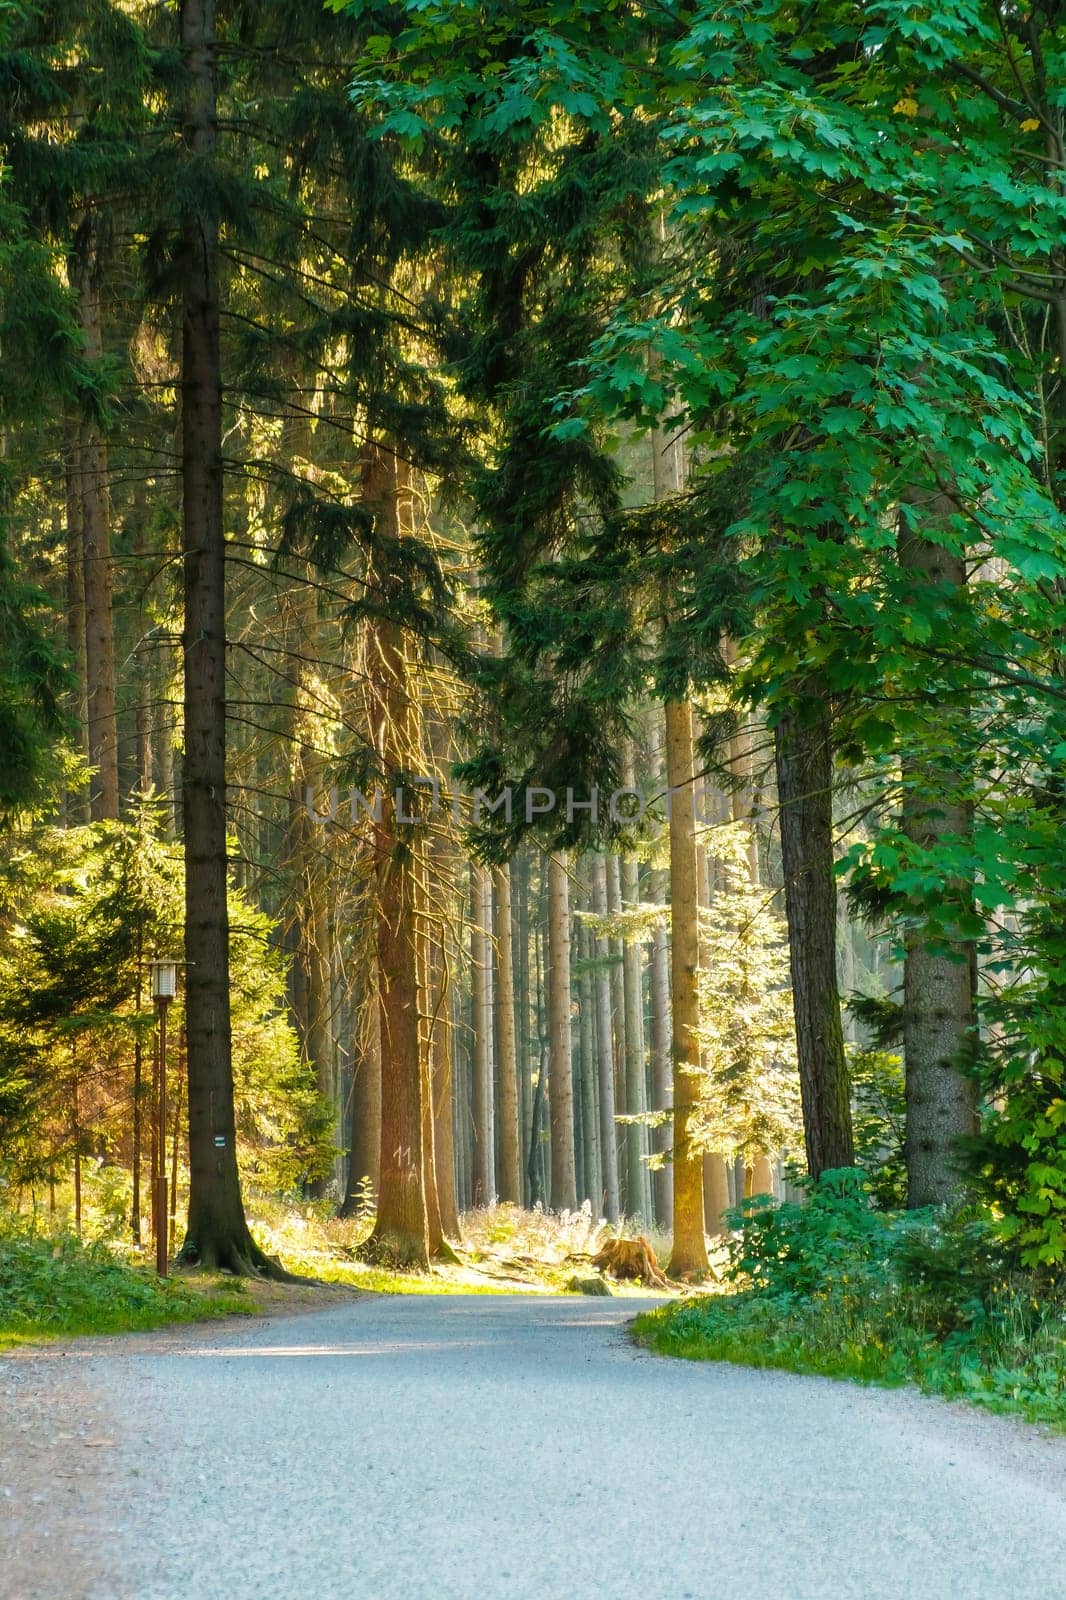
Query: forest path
x=491 y=1447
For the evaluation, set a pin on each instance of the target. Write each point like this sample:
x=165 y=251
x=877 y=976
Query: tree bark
x=939 y=1024
x=364 y=1156
x=618 y=1018
x=637 y=1186
x=102 y=725
x=401 y=1231
x=481 y=979
x=312 y=993
x=604 y=1052
x=689 y=1253
x=804 y=762
x=661 y=1070
x=560 y=1068
x=524 y=1031
x=590 y=1125
x=443 y=1097
x=217 y=1234
x=427 y=1026
x=507 y=1067
x=77 y=800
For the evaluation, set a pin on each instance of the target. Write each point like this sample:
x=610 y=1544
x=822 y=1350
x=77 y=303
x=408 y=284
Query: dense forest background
x=651 y=413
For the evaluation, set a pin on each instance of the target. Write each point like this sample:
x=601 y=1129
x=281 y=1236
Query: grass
x=842 y=1290
x=52 y=1285
x=1028 y=1381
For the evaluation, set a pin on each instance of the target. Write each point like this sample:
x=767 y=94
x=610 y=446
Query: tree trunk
x=804 y=761
x=560 y=1072
x=508 y=1131
x=312 y=995
x=618 y=1019
x=427 y=1026
x=364 y=1158
x=636 y=1102
x=590 y=1126
x=401 y=1230
x=715 y=1178
x=217 y=1234
x=938 y=1001
x=77 y=800
x=715 y=1192
x=762 y=1174
x=524 y=1032
x=689 y=1253
x=443 y=1099
x=310 y=928
x=481 y=979
x=661 y=1072
x=604 y=1051
x=101 y=720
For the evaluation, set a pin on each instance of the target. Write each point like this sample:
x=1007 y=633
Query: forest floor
x=503 y=1250
x=479 y=1448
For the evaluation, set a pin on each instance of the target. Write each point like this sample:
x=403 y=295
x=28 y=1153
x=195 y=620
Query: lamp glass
x=164 y=980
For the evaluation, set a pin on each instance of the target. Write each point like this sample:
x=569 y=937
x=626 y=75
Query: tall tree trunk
x=443 y=1098
x=636 y=1104
x=508 y=1131
x=310 y=929
x=938 y=1000
x=401 y=1231
x=217 y=1234
x=604 y=1051
x=715 y=1176
x=662 y=1086
x=524 y=1030
x=364 y=1158
x=96 y=557
x=461 y=1098
x=715 y=1192
x=590 y=1126
x=618 y=1016
x=560 y=1069
x=661 y=1070
x=804 y=761
x=427 y=1026
x=312 y=992
x=481 y=979
x=762 y=1174
x=78 y=800
x=689 y=1253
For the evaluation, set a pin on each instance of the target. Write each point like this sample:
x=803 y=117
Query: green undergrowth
x=52 y=1285
x=840 y=1289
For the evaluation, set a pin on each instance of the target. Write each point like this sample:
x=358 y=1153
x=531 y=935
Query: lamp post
x=164 y=988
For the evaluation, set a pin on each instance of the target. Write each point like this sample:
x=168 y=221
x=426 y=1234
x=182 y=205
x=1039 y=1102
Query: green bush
x=839 y=1288
x=52 y=1283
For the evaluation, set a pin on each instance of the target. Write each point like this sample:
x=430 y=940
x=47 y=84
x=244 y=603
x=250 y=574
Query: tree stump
x=631 y=1258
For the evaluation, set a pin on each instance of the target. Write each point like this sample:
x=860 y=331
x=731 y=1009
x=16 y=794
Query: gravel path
x=455 y=1447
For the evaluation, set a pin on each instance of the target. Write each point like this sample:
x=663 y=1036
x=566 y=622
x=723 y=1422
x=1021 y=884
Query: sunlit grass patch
x=53 y=1285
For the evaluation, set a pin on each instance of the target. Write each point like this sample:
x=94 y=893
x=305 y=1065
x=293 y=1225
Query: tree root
x=399 y=1252
x=241 y=1258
